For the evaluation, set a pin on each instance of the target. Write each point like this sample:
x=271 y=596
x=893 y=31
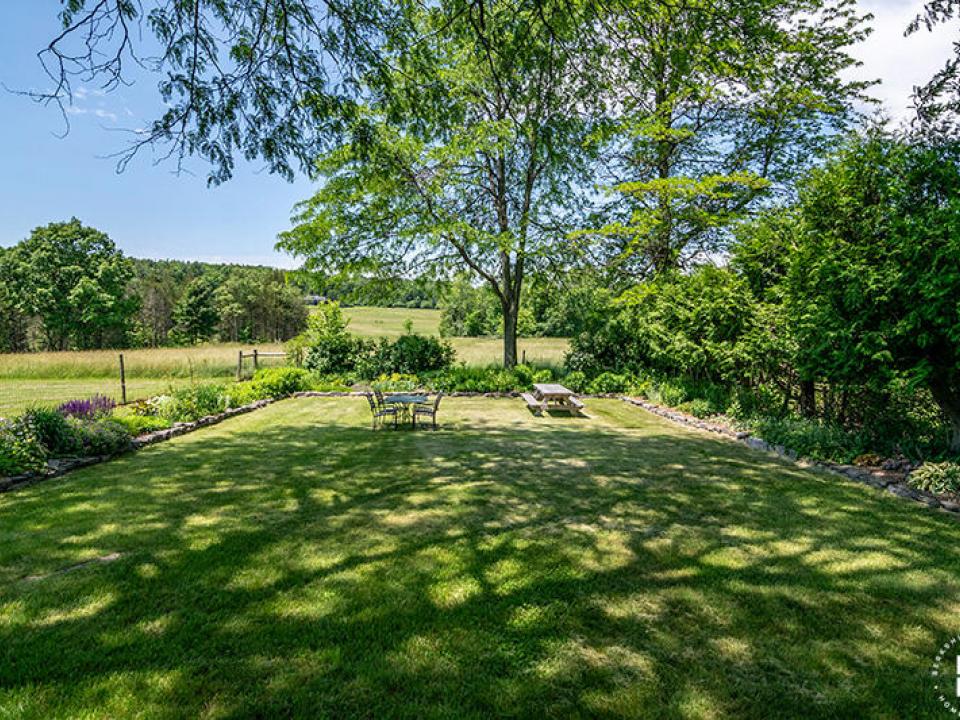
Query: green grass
x=292 y=563
x=17 y=395
x=389 y=322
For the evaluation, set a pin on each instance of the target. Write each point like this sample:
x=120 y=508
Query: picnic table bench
x=550 y=396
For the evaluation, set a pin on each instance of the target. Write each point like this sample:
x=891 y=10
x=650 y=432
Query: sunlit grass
x=292 y=563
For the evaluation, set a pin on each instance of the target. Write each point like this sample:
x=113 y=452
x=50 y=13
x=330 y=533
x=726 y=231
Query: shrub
x=140 y=424
x=811 y=438
x=56 y=434
x=575 y=380
x=397 y=382
x=608 y=382
x=21 y=450
x=408 y=354
x=543 y=375
x=90 y=408
x=668 y=393
x=102 y=437
x=279 y=382
x=194 y=402
x=939 y=478
x=699 y=408
x=335 y=355
x=326 y=346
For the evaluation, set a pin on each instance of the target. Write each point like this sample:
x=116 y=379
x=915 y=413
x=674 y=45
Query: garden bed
x=892 y=479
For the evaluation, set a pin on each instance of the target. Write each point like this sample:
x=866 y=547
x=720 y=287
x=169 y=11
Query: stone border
x=61 y=466
x=892 y=481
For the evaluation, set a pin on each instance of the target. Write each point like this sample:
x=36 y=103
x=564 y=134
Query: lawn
x=293 y=563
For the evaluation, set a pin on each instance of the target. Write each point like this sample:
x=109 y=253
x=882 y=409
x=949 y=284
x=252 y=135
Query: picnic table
x=551 y=396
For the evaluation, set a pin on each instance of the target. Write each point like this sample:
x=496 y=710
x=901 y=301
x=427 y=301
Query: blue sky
x=151 y=212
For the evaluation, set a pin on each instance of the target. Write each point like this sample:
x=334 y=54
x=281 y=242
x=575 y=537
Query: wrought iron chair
x=429 y=411
x=379 y=413
x=381 y=403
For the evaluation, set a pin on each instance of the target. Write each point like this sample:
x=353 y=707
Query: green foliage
x=609 y=382
x=104 y=436
x=279 y=382
x=396 y=382
x=669 y=393
x=811 y=438
x=676 y=325
x=937 y=478
x=195 y=315
x=407 y=354
x=140 y=424
x=326 y=346
x=74 y=281
x=575 y=380
x=872 y=291
x=193 y=402
x=697 y=407
x=469 y=311
x=55 y=432
x=21 y=449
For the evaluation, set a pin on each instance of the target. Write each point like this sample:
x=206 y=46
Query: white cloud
x=899 y=62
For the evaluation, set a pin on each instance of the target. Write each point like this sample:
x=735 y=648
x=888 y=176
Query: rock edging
x=893 y=481
x=61 y=466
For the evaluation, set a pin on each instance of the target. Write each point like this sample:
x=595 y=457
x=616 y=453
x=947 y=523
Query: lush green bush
x=698 y=408
x=813 y=439
x=104 y=436
x=668 y=393
x=21 y=450
x=279 y=382
x=937 y=478
x=140 y=424
x=407 y=354
x=575 y=380
x=56 y=433
x=193 y=402
x=326 y=346
x=609 y=382
x=461 y=378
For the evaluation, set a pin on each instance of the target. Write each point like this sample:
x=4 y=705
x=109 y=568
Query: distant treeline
x=67 y=286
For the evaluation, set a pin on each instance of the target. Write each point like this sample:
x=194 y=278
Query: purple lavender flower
x=88 y=409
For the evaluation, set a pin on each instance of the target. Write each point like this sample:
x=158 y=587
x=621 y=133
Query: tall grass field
x=53 y=377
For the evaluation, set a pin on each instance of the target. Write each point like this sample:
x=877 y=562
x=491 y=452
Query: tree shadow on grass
x=492 y=569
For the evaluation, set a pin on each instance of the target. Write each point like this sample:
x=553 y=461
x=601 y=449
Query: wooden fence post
x=123 y=382
x=524 y=361
x=256 y=360
x=239 y=365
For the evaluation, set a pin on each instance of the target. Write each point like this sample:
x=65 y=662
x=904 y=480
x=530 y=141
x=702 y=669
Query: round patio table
x=405 y=402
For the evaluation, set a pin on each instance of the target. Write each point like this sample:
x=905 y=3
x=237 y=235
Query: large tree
x=74 y=279
x=717 y=104
x=471 y=152
x=873 y=283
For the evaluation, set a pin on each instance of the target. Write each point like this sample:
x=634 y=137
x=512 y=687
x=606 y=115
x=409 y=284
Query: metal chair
x=380 y=412
x=381 y=403
x=429 y=411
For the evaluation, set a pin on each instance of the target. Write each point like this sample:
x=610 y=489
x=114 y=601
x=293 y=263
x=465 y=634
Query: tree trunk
x=947 y=395
x=510 y=313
